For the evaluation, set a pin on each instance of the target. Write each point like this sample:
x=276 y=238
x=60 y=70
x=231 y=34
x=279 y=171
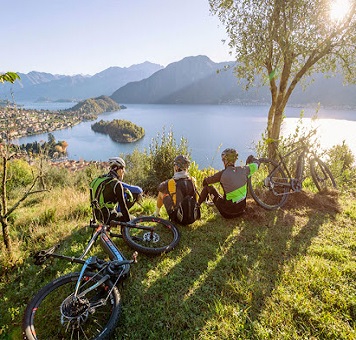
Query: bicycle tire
x=164 y=239
x=321 y=174
x=269 y=186
x=44 y=319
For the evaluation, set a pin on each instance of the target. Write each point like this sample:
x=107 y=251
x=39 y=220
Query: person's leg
x=203 y=195
x=159 y=203
x=208 y=190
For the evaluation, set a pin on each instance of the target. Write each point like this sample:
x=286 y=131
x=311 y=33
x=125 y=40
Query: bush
x=341 y=163
x=20 y=175
x=149 y=168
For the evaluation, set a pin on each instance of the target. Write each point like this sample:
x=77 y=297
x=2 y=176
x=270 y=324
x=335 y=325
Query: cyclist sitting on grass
x=233 y=180
x=179 y=194
x=107 y=193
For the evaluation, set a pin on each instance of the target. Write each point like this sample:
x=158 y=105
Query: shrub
x=341 y=163
x=149 y=168
x=20 y=174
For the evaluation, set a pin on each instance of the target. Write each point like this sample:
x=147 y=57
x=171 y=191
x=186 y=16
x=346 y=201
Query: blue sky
x=87 y=36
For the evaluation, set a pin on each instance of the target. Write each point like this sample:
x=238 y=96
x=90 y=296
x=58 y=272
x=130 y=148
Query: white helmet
x=117 y=162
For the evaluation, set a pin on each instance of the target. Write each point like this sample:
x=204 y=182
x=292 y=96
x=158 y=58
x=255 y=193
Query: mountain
x=192 y=80
x=36 y=85
x=198 y=80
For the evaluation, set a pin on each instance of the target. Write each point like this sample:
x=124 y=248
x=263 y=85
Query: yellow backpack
x=187 y=211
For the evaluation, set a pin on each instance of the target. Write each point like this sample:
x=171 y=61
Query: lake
x=208 y=129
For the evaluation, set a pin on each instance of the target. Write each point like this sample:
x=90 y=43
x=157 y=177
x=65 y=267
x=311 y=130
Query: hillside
x=198 y=80
x=286 y=274
x=95 y=106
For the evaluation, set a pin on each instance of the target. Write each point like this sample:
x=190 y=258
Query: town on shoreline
x=19 y=122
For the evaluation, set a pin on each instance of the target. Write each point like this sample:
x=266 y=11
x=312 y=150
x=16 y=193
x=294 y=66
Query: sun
x=338 y=9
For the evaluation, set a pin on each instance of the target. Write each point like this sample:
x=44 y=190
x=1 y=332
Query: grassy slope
x=287 y=274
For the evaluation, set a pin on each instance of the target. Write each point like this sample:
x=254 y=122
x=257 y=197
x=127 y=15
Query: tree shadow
x=252 y=249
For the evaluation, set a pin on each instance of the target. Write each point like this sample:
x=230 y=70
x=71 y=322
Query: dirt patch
x=324 y=202
x=327 y=202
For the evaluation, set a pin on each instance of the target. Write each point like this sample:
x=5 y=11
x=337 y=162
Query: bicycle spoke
x=269 y=186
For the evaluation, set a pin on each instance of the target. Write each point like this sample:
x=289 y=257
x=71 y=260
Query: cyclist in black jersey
x=233 y=180
x=108 y=193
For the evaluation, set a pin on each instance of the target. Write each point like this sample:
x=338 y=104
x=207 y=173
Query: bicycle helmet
x=182 y=162
x=229 y=156
x=116 y=162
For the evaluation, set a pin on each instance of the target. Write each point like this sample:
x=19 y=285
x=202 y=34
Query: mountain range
x=192 y=80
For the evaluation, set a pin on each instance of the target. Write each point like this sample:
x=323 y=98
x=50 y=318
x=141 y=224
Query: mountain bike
x=81 y=305
x=271 y=185
x=146 y=234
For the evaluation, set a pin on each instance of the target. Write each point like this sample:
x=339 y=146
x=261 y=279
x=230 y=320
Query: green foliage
x=341 y=162
x=150 y=168
x=9 y=76
x=52 y=148
x=20 y=174
x=119 y=130
x=57 y=177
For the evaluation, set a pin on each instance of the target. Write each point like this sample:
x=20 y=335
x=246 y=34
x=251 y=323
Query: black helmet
x=116 y=162
x=182 y=162
x=229 y=156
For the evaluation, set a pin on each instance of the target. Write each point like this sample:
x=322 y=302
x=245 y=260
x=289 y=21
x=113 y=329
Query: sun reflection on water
x=330 y=131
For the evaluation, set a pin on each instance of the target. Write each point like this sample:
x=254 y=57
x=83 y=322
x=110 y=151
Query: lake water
x=208 y=129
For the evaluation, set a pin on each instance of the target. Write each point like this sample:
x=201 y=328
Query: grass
x=286 y=274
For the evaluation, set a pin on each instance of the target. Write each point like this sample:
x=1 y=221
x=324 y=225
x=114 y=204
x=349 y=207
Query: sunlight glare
x=338 y=9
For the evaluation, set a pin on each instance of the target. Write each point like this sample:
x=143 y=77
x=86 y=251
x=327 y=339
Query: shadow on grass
x=221 y=267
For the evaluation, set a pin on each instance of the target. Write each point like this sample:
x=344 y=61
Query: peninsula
x=16 y=122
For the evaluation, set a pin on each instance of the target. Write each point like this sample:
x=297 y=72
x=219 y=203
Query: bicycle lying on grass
x=87 y=304
x=271 y=185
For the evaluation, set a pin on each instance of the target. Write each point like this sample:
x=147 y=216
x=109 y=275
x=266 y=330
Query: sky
x=88 y=36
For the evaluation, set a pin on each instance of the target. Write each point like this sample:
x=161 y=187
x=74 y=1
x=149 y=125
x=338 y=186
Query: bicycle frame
x=101 y=232
x=294 y=183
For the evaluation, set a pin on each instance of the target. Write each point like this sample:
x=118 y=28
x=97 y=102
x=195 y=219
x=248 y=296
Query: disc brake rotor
x=151 y=237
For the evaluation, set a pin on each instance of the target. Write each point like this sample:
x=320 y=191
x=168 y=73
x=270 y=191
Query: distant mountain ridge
x=36 y=85
x=192 y=80
x=198 y=80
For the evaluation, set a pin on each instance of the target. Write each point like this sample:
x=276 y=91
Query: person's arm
x=119 y=192
x=253 y=164
x=212 y=179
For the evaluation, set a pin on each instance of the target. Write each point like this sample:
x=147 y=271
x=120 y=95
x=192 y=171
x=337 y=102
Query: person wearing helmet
x=107 y=193
x=233 y=180
x=172 y=192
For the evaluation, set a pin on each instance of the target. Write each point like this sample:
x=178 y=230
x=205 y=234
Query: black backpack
x=187 y=211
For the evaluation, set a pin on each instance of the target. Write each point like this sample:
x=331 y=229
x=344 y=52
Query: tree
x=9 y=76
x=7 y=153
x=283 y=41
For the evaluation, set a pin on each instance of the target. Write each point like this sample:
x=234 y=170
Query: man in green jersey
x=233 y=180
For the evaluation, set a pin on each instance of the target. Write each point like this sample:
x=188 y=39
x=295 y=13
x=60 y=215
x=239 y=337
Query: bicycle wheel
x=53 y=313
x=321 y=175
x=162 y=239
x=269 y=186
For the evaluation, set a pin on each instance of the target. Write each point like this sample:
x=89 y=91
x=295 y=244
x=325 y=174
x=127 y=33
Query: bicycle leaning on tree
x=272 y=184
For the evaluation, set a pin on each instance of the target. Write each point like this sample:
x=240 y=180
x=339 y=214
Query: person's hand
x=250 y=159
x=129 y=195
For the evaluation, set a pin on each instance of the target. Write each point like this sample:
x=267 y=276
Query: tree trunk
x=5 y=232
x=274 y=129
